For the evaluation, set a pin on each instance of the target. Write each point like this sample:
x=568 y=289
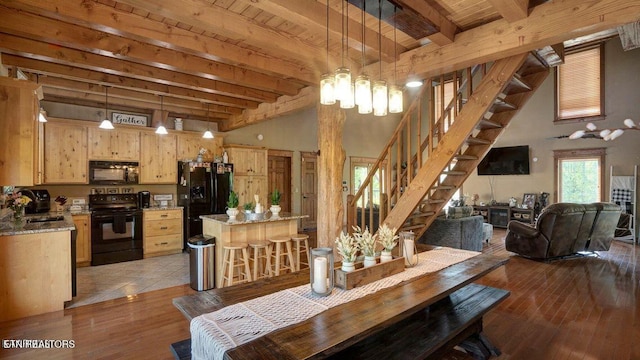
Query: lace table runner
x=214 y=333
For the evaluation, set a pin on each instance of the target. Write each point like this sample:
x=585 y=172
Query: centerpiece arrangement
x=367 y=244
x=17 y=202
x=254 y=212
x=388 y=239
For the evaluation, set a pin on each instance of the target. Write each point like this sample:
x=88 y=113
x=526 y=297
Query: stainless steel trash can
x=202 y=262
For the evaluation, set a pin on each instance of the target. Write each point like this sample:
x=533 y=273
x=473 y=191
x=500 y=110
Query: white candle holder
x=408 y=248
x=321 y=271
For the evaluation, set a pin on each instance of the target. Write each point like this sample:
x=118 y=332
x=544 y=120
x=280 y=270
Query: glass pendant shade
x=161 y=130
x=395 y=99
x=343 y=83
x=327 y=90
x=106 y=124
x=365 y=107
x=362 y=89
x=349 y=101
x=380 y=98
x=207 y=135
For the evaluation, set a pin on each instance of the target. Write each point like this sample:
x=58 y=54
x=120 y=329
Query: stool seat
x=302 y=244
x=282 y=259
x=235 y=257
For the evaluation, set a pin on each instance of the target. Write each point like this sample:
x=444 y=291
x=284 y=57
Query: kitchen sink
x=47 y=218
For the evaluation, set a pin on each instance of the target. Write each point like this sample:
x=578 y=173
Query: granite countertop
x=241 y=219
x=7 y=227
x=158 y=208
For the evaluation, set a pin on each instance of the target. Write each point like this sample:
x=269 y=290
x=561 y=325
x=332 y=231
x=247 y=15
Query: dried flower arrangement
x=347 y=247
x=366 y=241
x=387 y=237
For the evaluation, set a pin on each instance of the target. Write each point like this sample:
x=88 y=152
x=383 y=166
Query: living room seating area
x=565 y=229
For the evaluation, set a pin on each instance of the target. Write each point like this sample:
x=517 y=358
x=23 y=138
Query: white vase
x=385 y=256
x=275 y=209
x=369 y=261
x=347 y=266
x=232 y=213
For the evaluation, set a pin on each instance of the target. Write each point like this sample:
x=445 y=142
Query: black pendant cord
x=327 y=36
x=364 y=6
x=106 y=102
x=395 y=47
x=380 y=37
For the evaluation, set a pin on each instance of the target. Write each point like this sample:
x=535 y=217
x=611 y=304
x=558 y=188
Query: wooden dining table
x=342 y=326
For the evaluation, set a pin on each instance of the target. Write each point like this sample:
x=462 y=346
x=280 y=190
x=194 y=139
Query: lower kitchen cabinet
x=162 y=232
x=83 y=239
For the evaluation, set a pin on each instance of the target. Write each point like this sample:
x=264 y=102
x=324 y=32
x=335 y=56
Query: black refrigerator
x=203 y=189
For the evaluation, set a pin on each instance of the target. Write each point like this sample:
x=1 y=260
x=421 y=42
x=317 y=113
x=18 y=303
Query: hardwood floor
x=584 y=308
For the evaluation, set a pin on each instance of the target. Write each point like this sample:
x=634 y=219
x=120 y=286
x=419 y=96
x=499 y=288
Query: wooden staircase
x=418 y=171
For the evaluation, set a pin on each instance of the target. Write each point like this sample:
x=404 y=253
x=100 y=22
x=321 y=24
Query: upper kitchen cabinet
x=65 y=149
x=18 y=132
x=158 y=159
x=118 y=144
x=190 y=144
x=247 y=160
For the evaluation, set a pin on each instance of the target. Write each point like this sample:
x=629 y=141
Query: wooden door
x=309 y=184
x=279 y=177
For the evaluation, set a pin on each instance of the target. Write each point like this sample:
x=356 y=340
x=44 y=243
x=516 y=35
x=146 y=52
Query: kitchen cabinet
x=248 y=186
x=83 y=239
x=162 y=232
x=190 y=144
x=158 y=159
x=65 y=153
x=247 y=160
x=118 y=144
x=19 y=132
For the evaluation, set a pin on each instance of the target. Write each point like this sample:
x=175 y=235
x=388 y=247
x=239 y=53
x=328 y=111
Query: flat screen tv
x=512 y=160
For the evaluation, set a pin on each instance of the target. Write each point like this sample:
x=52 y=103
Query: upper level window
x=580 y=85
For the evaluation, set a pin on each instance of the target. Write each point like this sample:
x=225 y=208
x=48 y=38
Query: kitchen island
x=35 y=266
x=242 y=231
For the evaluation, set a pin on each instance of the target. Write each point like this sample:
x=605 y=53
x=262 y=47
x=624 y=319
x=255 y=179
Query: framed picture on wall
x=529 y=201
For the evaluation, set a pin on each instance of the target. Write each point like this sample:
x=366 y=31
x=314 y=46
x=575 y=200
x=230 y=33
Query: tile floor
x=106 y=282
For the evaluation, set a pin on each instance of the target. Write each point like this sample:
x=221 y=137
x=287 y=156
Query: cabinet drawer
x=164 y=227
x=154 y=244
x=162 y=215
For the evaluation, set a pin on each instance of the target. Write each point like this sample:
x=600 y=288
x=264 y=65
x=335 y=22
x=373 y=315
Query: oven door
x=116 y=237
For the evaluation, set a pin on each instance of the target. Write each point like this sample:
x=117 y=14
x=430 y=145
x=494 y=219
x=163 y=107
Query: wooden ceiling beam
x=116 y=92
x=307 y=98
x=61 y=55
x=511 y=10
x=217 y=20
x=84 y=39
x=312 y=15
x=547 y=24
x=105 y=18
x=95 y=100
x=78 y=74
x=446 y=30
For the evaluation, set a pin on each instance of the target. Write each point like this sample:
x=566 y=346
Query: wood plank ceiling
x=252 y=60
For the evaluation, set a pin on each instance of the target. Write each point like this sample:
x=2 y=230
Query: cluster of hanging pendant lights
x=370 y=97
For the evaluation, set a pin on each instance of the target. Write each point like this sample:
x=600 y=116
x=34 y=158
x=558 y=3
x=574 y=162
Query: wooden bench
x=428 y=334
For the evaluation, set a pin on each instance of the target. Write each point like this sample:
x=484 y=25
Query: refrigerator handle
x=213 y=194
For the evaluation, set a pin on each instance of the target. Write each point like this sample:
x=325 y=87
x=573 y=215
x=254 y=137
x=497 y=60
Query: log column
x=330 y=166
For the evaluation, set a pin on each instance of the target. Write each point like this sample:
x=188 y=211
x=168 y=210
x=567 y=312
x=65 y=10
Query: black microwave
x=113 y=173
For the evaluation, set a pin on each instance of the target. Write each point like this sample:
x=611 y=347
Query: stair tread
x=465 y=157
x=421 y=214
x=485 y=123
x=517 y=85
x=411 y=227
x=502 y=105
x=454 y=172
x=443 y=187
x=475 y=141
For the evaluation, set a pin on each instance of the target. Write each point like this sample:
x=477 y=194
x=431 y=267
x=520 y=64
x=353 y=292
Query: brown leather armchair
x=565 y=229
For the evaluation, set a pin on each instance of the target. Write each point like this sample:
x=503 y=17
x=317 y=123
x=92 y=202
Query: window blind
x=579 y=85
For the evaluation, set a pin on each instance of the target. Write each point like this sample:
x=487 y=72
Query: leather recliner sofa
x=565 y=229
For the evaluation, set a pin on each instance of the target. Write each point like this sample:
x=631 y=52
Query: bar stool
x=260 y=257
x=277 y=255
x=302 y=243
x=235 y=257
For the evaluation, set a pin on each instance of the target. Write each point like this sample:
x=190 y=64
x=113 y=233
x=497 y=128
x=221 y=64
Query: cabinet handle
x=164 y=215
x=163 y=243
x=163 y=228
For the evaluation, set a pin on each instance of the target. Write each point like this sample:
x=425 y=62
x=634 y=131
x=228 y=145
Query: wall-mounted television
x=511 y=160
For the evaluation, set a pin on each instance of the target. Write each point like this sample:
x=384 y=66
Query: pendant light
x=106 y=123
x=161 y=130
x=395 y=93
x=348 y=101
x=208 y=134
x=343 y=74
x=363 y=83
x=327 y=82
x=380 y=96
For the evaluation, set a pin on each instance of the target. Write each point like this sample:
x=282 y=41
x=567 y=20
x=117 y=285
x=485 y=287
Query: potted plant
x=388 y=239
x=232 y=205
x=347 y=247
x=248 y=207
x=367 y=244
x=275 y=202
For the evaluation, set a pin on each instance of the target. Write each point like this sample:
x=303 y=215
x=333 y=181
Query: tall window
x=579 y=174
x=360 y=168
x=580 y=85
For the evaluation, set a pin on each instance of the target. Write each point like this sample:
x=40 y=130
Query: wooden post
x=330 y=166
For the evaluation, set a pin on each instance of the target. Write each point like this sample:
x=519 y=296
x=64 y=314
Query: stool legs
x=230 y=263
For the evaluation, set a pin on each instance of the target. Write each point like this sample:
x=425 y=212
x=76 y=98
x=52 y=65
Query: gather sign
x=128 y=119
